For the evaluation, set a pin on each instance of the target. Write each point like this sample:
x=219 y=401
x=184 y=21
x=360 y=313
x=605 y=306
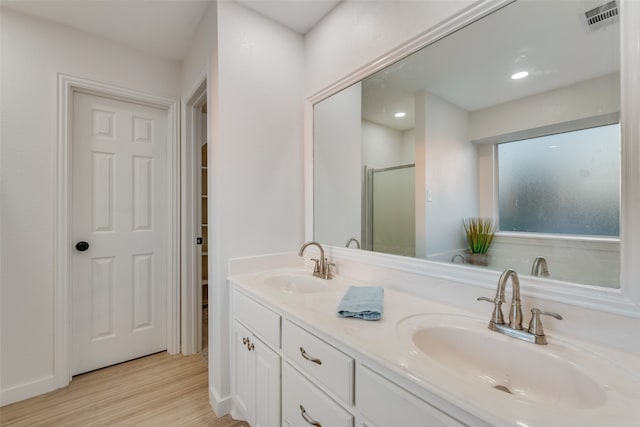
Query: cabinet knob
x=307 y=418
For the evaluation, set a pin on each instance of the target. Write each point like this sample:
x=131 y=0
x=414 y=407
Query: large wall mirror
x=512 y=119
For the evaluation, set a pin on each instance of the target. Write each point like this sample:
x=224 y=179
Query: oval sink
x=296 y=283
x=526 y=371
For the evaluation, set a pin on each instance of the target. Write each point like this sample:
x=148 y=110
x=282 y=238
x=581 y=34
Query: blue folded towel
x=363 y=302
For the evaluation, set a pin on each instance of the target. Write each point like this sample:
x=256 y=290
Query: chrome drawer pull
x=309 y=358
x=303 y=412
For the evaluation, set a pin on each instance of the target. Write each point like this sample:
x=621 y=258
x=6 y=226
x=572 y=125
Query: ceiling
x=163 y=28
x=472 y=67
x=298 y=15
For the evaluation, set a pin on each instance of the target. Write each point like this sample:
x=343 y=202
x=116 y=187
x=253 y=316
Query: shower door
x=389 y=220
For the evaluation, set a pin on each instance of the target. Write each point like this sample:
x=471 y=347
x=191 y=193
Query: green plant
x=480 y=232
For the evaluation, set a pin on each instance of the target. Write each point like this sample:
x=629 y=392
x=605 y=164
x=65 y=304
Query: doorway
x=195 y=235
x=202 y=209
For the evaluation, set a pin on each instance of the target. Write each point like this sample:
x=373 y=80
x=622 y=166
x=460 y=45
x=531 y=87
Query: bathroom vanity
x=295 y=362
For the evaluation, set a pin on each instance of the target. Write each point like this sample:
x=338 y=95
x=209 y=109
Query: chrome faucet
x=539 y=267
x=535 y=332
x=351 y=240
x=322 y=267
x=515 y=312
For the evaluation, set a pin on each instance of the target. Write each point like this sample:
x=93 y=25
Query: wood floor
x=157 y=390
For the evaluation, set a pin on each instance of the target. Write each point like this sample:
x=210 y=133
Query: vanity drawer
x=299 y=394
x=376 y=395
x=331 y=368
x=262 y=321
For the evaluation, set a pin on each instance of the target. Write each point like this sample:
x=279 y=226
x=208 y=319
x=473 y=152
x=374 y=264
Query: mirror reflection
x=510 y=123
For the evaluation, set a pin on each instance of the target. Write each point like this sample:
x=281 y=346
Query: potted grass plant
x=480 y=232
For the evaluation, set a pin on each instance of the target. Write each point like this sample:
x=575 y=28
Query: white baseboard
x=221 y=406
x=27 y=390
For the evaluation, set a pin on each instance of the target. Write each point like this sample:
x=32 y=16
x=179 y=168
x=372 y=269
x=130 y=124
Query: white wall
x=202 y=62
x=356 y=32
x=408 y=153
x=202 y=56
x=594 y=97
x=450 y=173
x=337 y=160
x=33 y=52
x=384 y=147
x=255 y=158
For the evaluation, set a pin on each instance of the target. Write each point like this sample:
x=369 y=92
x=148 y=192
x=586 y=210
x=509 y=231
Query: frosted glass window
x=568 y=183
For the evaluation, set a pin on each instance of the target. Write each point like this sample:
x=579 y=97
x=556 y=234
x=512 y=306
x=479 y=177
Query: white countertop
x=385 y=343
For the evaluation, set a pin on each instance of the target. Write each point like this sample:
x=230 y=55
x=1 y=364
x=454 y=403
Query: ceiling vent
x=602 y=15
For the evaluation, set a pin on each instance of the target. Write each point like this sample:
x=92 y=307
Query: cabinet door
x=244 y=378
x=385 y=404
x=267 y=387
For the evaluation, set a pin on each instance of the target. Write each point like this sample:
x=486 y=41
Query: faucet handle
x=316 y=268
x=535 y=325
x=496 y=316
x=330 y=268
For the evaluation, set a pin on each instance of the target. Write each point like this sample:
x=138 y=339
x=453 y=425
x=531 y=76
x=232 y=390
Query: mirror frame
x=622 y=301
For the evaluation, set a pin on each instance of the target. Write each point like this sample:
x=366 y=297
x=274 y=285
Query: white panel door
x=267 y=386
x=119 y=293
x=244 y=375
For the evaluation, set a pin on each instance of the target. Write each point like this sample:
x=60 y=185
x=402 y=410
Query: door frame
x=67 y=86
x=190 y=262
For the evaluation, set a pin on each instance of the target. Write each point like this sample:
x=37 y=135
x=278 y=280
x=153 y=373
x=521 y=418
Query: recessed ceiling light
x=400 y=114
x=520 y=75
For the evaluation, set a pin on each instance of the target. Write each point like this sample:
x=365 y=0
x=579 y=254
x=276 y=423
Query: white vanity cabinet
x=256 y=382
x=287 y=373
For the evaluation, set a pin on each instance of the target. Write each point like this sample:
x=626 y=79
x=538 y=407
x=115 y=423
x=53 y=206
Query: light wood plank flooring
x=157 y=390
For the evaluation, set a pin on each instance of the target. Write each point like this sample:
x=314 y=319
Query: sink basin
x=525 y=371
x=296 y=283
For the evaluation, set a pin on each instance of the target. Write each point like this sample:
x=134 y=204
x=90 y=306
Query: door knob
x=82 y=246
